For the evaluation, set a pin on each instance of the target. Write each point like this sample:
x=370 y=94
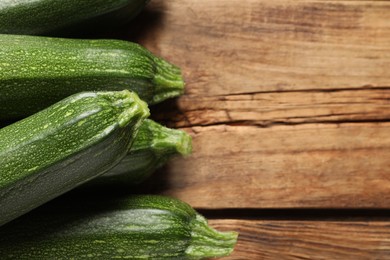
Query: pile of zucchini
x=80 y=113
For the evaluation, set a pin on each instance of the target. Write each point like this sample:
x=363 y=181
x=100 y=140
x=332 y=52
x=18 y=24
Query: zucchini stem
x=168 y=79
x=170 y=140
x=208 y=242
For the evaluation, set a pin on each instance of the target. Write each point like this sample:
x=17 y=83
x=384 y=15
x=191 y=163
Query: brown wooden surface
x=287 y=100
x=272 y=239
x=288 y=103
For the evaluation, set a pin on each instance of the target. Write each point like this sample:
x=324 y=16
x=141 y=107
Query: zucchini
x=45 y=16
x=36 y=72
x=146 y=227
x=153 y=146
x=63 y=146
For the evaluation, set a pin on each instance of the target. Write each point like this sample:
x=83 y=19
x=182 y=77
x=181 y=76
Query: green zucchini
x=141 y=227
x=45 y=16
x=63 y=146
x=36 y=72
x=153 y=146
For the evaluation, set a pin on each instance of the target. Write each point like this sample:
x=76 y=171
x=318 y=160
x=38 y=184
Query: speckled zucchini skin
x=43 y=16
x=36 y=72
x=139 y=227
x=153 y=146
x=63 y=146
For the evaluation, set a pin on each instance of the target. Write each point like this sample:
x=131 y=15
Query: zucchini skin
x=63 y=146
x=146 y=227
x=153 y=146
x=36 y=72
x=45 y=16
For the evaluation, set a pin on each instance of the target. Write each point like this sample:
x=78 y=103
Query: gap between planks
x=298 y=214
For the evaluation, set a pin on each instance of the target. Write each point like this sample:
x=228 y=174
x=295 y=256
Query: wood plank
x=302 y=166
x=235 y=47
x=273 y=239
x=266 y=109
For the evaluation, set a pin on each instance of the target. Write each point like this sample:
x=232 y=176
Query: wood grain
x=302 y=166
x=273 y=239
x=287 y=101
x=238 y=47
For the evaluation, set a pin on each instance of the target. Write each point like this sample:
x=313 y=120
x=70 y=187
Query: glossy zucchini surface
x=63 y=146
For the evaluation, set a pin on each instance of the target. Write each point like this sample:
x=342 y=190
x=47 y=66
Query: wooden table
x=287 y=102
